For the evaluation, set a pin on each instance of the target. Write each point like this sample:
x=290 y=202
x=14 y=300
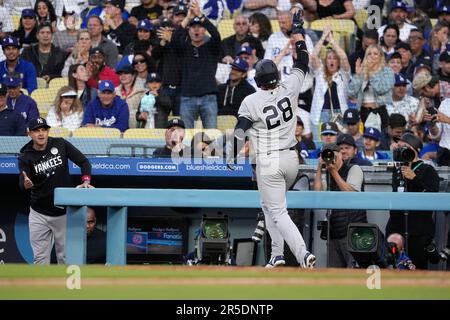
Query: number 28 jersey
x=273 y=113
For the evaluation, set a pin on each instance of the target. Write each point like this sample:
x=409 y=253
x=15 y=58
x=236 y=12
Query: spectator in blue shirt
x=11 y=49
x=107 y=110
x=19 y=101
x=371 y=142
x=11 y=122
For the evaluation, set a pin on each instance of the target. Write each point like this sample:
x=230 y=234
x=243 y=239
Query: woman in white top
x=67 y=111
x=80 y=54
x=332 y=76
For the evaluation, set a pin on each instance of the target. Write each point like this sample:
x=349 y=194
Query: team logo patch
x=54 y=151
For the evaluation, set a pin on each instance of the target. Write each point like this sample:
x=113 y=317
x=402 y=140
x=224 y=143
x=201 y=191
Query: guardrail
x=117 y=201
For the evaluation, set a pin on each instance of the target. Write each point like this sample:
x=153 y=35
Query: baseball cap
x=154 y=77
x=71 y=93
x=372 y=133
x=395 y=55
x=3 y=90
x=245 y=49
x=196 y=20
x=351 y=116
x=421 y=80
x=331 y=146
x=240 y=64
x=10 y=41
x=179 y=9
x=125 y=68
x=106 y=85
x=329 y=128
x=165 y=22
x=413 y=141
x=422 y=65
x=176 y=123
x=96 y=50
x=346 y=138
x=402 y=45
x=116 y=3
x=11 y=81
x=37 y=123
x=399 y=5
x=396 y=120
x=444 y=9
x=145 y=25
x=28 y=13
x=400 y=80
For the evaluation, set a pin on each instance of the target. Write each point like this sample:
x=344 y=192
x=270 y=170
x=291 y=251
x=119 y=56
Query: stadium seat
x=275 y=25
x=58 y=83
x=361 y=18
x=225 y=123
x=212 y=133
x=44 y=99
x=226 y=28
x=433 y=22
x=59 y=132
x=15 y=21
x=41 y=83
x=136 y=133
x=346 y=28
x=96 y=132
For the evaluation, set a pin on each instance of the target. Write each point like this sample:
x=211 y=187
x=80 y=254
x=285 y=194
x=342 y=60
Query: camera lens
x=327 y=155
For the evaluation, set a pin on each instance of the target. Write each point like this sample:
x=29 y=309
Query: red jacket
x=106 y=74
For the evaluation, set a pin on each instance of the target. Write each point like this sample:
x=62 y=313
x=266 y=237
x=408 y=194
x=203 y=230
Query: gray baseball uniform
x=272 y=113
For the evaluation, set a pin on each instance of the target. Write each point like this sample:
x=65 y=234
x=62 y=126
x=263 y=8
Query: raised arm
x=345 y=65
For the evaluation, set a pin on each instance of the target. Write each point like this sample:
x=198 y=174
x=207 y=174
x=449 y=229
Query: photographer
x=413 y=175
x=341 y=176
x=440 y=129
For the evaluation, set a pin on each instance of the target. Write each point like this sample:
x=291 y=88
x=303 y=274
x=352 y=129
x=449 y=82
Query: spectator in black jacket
x=11 y=121
x=414 y=176
x=44 y=166
x=26 y=33
x=199 y=60
x=46 y=58
x=119 y=31
x=235 y=89
x=232 y=44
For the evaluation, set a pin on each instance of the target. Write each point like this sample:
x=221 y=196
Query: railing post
x=76 y=235
x=116 y=236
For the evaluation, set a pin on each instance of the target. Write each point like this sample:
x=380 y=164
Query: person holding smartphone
x=440 y=129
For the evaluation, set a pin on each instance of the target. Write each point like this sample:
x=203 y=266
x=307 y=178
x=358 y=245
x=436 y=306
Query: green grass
x=355 y=289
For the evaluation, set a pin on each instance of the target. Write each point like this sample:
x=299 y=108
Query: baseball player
x=269 y=116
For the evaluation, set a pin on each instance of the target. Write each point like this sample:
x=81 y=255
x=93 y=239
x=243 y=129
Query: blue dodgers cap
x=240 y=64
x=444 y=9
x=145 y=25
x=245 y=49
x=106 y=85
x=11 y=81
x=10 y=41
x=329 y=128
x=399 y=5
x=372 y=133
x=28 y=13
x=400 y=80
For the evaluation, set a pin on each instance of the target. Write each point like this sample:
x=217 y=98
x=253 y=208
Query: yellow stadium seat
x=346 y=28
x=44 y=99
x=433 y=22
x=137 y=133
x=59 y=132
x=275 y=25
x=361 y=18
x=41 y=83
x=96 y=132
x=58 y=82
x=225 y=123
x=15 y=21
x=226 y=28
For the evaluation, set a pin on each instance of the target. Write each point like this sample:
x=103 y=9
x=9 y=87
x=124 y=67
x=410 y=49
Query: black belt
x=291 y=148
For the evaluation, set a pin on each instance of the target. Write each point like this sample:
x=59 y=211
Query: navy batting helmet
x=266 y=73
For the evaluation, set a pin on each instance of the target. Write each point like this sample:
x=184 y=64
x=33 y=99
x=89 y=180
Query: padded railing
x=117 y=201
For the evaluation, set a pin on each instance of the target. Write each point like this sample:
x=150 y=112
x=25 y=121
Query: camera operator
x=413 y=175
x=341 y=176
x=440 y=129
